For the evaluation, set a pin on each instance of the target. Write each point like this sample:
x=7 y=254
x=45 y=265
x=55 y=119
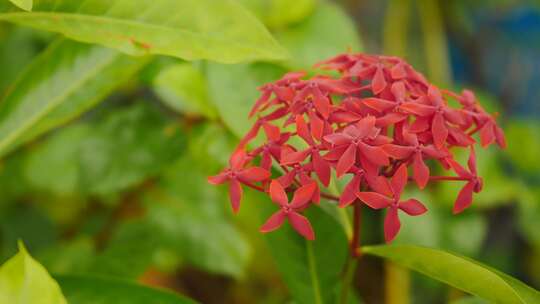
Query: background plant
x=100 y=125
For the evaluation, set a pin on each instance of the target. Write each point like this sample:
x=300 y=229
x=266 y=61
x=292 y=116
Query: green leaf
x=519 y=131
x=310 y=269
x=127 y=146
x=65 y=80
x=459 y=272
x=189 y=217
x=280 y=13
x=107 y=154
x=183 y=88
x=23 y=4
x=222 y=31
x=233 y=90
x=101 y=290
x=326 y=33
x=23 y=280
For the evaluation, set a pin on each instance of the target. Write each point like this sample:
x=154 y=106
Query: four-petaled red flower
x=237 y=174
x=302 y=197
x=378 y=118
x=391 y=200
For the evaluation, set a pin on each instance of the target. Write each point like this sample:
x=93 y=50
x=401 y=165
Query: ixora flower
x=370 y=125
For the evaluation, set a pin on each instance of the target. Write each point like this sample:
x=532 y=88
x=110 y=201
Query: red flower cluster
x=369 y=125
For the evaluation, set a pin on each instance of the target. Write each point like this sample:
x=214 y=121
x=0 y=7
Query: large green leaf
x=326 y=33
x=183 y=87
x=311 y=269
x=233 y=90
x=189 y=217
x=190 y=29
x=67 y=79
x=23 y=280
x=459 y=272
x=23 y=4
x=106 y=154
x=101 y=290
x=280 y=13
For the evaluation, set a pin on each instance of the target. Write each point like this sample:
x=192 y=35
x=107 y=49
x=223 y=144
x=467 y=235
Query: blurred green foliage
x=105 y=158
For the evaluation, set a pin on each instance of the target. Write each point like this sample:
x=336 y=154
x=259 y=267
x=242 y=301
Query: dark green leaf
x=310 y=269
x=459 y=272
x=101 y=290
x=189 y=215
x=193 y=29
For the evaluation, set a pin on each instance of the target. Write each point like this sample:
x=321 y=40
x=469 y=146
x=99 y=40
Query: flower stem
x=357 y=218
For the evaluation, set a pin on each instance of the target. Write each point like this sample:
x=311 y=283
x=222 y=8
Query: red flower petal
x=322 y=168
x=398 y=71
x=303 y=195
x=375 y=155
x=374 y=199
x=287 y=179
x=399 y=180
x=254 y=174
x=420 y=171
x=458 y=168
x=218 y=179
x=272 y=132
x=499 y=135
x=464 y=198
x=418 y=109
x=439 y=130
x=398 y=152
x=390 y=119
x=349 y=193
x=346 y=161
x=301 y=225
x=237 y=159
x=487 y=136
x=378 y=104
x=338 y=139
x=235 y=194
x=363 y=128
x=294 y=157
x=379 y=83
x=317 y=126
x=277 y=193
x=262 y=100
x=274 y=222
x=321 y=103
x=412 y=207
x=391 y=224
x=303 y=130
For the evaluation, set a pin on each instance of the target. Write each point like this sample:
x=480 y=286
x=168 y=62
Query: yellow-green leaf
x=222 y=30
x=23 y=280
x=64 y=81
x=23 y=4
x=459 y=272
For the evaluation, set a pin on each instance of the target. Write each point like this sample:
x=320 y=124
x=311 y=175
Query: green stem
x=352 y=259
x=397 y=284
x=313 y=273
x=348 y=277
x=435 y=45
x=396 y=25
